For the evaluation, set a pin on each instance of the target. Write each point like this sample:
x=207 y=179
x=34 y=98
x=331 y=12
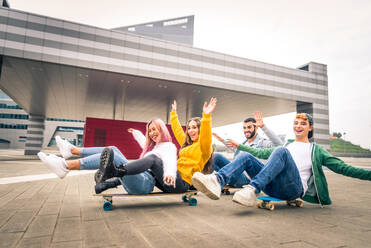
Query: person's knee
x=114 y=148
x=281 y=150
x=244 y=155
x=154 y=159
x=218 y=156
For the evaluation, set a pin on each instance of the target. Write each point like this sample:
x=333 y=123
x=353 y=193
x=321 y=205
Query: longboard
x=227 y=190
x=265 y=202
x=186 y=197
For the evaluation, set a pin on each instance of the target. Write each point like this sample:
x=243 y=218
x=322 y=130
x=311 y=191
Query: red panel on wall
x=106 y=132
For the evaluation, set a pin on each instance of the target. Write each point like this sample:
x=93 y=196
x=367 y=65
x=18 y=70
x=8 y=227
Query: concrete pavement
x=64 y=213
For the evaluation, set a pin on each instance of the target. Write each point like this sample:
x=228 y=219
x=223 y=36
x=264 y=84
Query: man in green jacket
x=292 y=171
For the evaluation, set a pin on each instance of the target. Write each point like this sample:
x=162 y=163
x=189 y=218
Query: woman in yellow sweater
x=196 y=149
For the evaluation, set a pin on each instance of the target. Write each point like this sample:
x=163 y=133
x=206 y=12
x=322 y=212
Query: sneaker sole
x=236 y=200
x=105 y=160
x=201 y=187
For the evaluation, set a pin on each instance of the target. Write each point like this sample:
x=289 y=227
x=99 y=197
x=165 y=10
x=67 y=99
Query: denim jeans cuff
x=257 y=190
x=220 y=180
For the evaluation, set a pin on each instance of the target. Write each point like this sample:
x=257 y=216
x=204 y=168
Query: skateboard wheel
x=192 y=202
x=227 y=192
x=299 y=204
x=185 y=198
x=270 y=207
x=107 y=206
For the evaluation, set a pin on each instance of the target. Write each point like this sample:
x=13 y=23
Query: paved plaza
x=50 y=212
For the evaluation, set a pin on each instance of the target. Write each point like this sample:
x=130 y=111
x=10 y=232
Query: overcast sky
x=282 y=32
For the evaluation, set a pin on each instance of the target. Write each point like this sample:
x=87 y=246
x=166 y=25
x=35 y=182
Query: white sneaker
x=207 y=184
x=64 y=147
x=55 y=164
x=245 y=196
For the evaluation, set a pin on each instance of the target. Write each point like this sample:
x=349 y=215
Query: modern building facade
x=14 y=123
x=178 y=29
x=55 y=68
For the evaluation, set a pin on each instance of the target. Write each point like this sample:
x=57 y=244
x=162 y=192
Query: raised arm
x=138 y=136
x=175 y=125
x=274 y=140
x=205 y=129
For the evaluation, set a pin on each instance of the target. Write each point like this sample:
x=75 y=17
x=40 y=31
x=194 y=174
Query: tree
x=337 y=134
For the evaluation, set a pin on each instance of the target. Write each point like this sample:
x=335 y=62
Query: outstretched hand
x=218 y=137
x=258 y=116
x=131 y=130
x=232 y=143
x=173 y=106
x=209 y=108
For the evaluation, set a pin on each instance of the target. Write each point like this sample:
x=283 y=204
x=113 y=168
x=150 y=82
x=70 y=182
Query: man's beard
x=252 y=134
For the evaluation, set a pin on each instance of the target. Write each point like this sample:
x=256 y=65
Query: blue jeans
x=142 y=183
x=139 y=184
x=237 y=181
x=91 y=157
x=279 y=177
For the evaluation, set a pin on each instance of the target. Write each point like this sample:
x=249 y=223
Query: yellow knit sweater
x=194 y=157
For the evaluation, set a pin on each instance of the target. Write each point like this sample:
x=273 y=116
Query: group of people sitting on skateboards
x=289 y=171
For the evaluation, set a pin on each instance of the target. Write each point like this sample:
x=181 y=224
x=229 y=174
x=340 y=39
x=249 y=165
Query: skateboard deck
x=186 y=197
x=266 y=202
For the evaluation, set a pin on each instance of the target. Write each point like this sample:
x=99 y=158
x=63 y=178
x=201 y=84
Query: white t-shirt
x=301 y=153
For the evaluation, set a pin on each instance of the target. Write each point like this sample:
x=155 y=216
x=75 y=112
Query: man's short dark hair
x=249 y=120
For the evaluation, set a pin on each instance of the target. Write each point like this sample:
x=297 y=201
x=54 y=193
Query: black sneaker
x=106 y=161
x=108 y=184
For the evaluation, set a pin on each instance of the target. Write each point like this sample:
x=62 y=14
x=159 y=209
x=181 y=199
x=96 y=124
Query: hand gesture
x=173 y=106
x=169 y=180
x=232 y=143
x=131 y=130
x=209 y=108
x=259 y=119
x=218 y=137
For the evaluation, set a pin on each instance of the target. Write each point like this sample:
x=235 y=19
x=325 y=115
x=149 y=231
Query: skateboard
x=186 y=197
x=265 y=202
x=227 y=190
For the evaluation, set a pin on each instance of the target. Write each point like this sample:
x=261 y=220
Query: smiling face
x=301 y=129
x=153 y=133
x=193 y=130
x=249 y=129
